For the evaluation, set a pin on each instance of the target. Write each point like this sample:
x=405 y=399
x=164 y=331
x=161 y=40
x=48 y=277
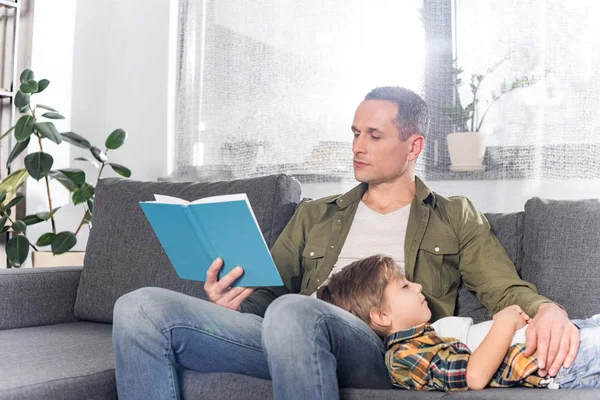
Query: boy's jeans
x=585 y=371
x=306 y=346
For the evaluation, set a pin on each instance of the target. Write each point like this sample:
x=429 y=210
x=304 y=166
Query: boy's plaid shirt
x=418 y=359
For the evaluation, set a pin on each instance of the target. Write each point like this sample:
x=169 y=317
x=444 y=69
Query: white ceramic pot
x=42 y=259
x=466 y=151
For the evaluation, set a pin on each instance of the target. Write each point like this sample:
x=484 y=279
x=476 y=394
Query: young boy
x=451 y=354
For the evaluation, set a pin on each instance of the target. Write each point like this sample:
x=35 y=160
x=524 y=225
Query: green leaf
x=18 y=149
x=23 y=109
x=29 y=87
x=24 y=127
x=116 y=139
x=53 y=115
x=2 y=196
x=70 y=178
x=88 y=217
x=45 y=107
x=17 y=250
x=45 y=215
x=42 y=85
x=21 y=99
x=15 y=201
x=5 y=229
x=19 y=226
x=63 y=242
x=38 y=164
x=31 y=220
x=3 y=222
x=94 y=163
x=48 y=130
x=76 y=140
x=83 y=194
x=98 y=154
x=13 y=182
x=46 y=239
x=26 y=75
x=90 y=204
x=5 y=134
x=120 y=169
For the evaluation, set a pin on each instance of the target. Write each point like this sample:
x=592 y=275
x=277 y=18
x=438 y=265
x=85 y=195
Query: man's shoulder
x=457 y=202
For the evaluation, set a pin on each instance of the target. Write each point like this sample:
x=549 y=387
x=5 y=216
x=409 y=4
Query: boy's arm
x=486 y=360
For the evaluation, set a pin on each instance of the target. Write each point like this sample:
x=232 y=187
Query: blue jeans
x=307 y=347
x=585 y=371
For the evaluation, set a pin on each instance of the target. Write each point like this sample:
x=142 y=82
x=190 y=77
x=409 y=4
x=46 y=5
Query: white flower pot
x=466 y=151
x=43 y=259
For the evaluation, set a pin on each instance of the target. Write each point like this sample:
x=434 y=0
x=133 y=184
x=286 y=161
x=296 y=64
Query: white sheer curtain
x=543 y=140
x=271 y=86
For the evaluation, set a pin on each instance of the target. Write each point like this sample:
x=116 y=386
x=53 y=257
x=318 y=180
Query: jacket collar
x=354 y=195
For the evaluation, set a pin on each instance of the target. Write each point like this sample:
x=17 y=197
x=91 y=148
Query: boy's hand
x=513 y=315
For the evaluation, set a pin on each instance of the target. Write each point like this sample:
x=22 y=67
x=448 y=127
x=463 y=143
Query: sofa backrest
x=123 y=253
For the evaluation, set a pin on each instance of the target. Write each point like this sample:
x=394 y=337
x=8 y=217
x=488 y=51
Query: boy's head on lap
x=375 y=290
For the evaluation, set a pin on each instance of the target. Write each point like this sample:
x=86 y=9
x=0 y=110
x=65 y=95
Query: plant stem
x=47 y=188
x=82 y=221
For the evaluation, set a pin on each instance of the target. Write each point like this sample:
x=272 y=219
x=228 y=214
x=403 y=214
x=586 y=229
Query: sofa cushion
x=66 y=361
x=562 y=252
x=123 y=253
x=508 y=228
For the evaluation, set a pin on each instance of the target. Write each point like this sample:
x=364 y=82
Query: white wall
x=109 y=63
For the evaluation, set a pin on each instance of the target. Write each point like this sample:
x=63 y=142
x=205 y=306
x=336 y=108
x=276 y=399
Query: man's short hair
x=360 y=287
x=412 y=116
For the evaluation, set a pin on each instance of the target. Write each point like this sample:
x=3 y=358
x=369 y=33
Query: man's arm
x=287 y=255
x=485 y=266
x=488 y=271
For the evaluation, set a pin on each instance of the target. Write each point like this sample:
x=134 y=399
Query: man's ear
x=416 y=147
x=380 y=319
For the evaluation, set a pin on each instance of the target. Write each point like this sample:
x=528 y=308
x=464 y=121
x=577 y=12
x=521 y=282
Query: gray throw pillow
x=562 y=252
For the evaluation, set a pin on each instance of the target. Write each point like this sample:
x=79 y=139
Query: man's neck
x=390 y=196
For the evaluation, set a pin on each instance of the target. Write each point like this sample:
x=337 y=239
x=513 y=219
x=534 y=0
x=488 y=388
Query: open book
x=194 y=233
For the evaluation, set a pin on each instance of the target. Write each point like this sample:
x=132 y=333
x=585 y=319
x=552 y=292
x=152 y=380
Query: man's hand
x=555 y=338
x=220 y=291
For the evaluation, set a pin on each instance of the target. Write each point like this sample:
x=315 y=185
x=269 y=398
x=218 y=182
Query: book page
x=221 y=199
x=161 y=198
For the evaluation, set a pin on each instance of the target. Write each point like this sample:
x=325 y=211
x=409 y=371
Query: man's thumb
x=530 y=340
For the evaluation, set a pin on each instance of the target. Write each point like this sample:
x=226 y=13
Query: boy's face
x=405 y=305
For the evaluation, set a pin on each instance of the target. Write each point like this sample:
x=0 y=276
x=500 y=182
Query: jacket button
x=312 y=253
x=437 y=249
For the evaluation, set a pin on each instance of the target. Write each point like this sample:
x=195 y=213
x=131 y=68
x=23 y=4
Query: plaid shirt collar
x=407 y=334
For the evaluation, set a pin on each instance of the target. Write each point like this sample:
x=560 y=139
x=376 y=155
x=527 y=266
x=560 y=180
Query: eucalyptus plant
x=469 y=118
x=35 y=125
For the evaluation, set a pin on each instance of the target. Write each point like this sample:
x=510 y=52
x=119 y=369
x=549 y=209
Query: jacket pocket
x=312 y=260
x=437 y=265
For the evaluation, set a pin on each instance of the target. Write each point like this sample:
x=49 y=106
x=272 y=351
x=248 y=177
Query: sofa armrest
x=37 y=296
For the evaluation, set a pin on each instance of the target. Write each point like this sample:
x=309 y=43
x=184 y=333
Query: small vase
x=467 y=150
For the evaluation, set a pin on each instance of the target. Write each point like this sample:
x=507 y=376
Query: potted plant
x=467 y=144
x=35 y=125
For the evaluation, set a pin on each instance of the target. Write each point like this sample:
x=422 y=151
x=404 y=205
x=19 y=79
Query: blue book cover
x=194 y=234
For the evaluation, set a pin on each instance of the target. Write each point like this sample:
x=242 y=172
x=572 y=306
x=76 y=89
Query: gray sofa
x=55 y=331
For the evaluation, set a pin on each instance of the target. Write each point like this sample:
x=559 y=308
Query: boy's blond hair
x=360 y=287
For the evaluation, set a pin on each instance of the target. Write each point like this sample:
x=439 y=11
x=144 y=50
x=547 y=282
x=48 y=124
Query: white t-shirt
x=469 y=333
x=373 y=233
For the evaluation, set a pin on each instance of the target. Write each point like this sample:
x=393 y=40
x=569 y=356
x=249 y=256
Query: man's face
x=379 y=154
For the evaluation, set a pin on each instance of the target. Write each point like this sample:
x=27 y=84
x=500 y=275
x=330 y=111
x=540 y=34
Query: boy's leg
x=156 y=329
x=313 y=347
x=585 y=371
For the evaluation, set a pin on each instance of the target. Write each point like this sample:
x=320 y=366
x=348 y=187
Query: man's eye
x=405 y=286
x=376 y=137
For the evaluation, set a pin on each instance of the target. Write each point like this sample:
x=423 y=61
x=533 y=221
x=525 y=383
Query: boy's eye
x=405 y=286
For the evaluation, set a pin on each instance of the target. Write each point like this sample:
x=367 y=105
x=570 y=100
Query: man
x=307 y=347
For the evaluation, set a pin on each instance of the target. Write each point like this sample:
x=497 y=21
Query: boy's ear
x=380 y=318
